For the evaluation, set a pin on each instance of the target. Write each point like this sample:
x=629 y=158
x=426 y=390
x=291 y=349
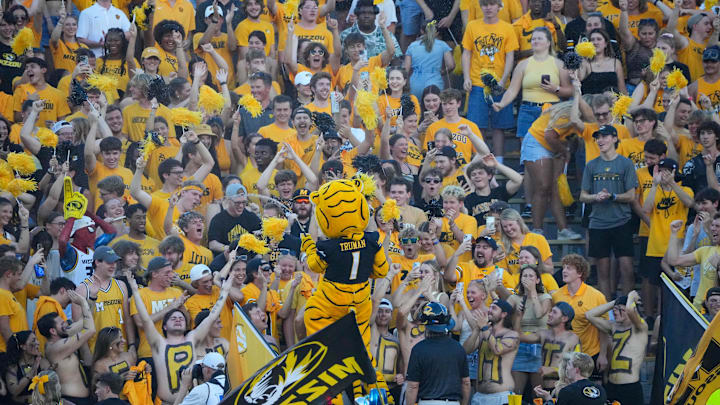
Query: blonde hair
x=81 y=128
x=510 y=214
x=453 y=192
x=435 y=266
x=430 y=34
x=558 y=112
x=52 y=395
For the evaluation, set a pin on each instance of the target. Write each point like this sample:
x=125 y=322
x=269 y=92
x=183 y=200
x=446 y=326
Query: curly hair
x=581 y=265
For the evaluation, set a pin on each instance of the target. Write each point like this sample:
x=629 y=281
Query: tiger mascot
x=348 y=258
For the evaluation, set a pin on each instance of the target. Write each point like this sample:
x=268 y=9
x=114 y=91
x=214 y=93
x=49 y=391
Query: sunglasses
x=432 y=181
x=407 y=241
x=317 y=51
x=286 y=252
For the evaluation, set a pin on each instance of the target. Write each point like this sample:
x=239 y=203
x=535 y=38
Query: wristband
x=196 y=142
x=485 y=328
x=436 y=242
x=613 y=197
x=223 y=83
x=93 y=298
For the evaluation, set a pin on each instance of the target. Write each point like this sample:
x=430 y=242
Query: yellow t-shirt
x=318 y=34
x=280 y=135
x=344 y=74
x=29 y=292
x=220 y=44
x=100 y=172
x=158 y=156
x=199 y=302
x=525 y=26
x=645 y=181
x=244 y=88
x=667 y=207
x=708 y=273
x=64 y=54
x=108 y=309
x=195 y=254
x=156 y=216
x=134 y=118
x=213 y=192
x=612 y=13
x=10 y=307
x=148 y=247
x=246 y=27
x=314 y=108
x=463 y=146
x=272 y=305
x=250 y=176
x=168 y=62
x=691 y=55
x=584 y=299
x=468 y=225
x=56 y=105
x=591 y=149
x=538 y=128
x=155 y=301
x=44 y=306
x=511 y=10
x=117 y=68
x=406 y=265
x=633 y=149
x=531 y=239
x=182 y=11
x=488 y=44
x=687 y=149
x=394 y=103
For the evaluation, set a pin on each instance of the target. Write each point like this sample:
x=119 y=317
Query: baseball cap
x=105 y=254
x=303 y=78
x=566 y=309
x=385 y=303
x=605 y=130
x=331 y=135
x=711 y=54
x=448 y=151
x=60 y=125
x=235 y=189
x=301 y=194
x=668 y=163
x=150 y=52
x=301 y=110
x=209 y=11
x=490 y=241
x=199 y=271
x=157 y=263
x=504 y=306
x=214 y=360
x=694 y=20
x=712 y=291
x=203 y=129
x=499 y=206
x=81 y=223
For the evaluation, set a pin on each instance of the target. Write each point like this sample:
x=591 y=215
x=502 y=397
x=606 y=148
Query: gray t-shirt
x=616 y=176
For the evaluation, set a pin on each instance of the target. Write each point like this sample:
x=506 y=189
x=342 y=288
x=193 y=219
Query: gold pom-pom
x=291 y=7
x=378 y=78
x=586 y=49
x=210 y=100
x=365 y=104
x=148 y=145
x=657 y=62
x=274 y=228
x=22 y=163
x=709 y=4
x=47 y=138
x=105 y=83
x=249 y=242
x=140 y=15
x=251 y=105
x=621 y=106
x=390 y=210
x=19 y=186
x=676 y=80
x=185 y=118
x=368 y=183
x=23 y=41
x=6 y=174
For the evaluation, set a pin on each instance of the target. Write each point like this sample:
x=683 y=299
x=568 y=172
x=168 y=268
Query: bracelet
x=133 y=344
x=93 y=298
x=223 y=83
x=485 y=328
x=196 y=142
x=436 y=242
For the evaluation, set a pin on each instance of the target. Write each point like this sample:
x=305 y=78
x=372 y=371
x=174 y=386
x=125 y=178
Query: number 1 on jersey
x=355 y=265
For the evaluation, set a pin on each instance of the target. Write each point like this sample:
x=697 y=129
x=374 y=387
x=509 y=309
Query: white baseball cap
x=303 y=78
x=199 y=271
x=209 y=11
x=214 y=360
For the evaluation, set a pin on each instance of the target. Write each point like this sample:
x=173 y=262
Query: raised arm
x=57 y=30
x=207 y=159
x=310 y=175
x=72 y=343
x=628 y=39
x=136 y=190
x=200 y=332
x=26 y=133
x=673 y=252
x=266 y=175
x=595 y=317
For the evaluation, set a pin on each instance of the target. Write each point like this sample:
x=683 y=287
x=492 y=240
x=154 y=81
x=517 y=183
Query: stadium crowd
x=142 y=141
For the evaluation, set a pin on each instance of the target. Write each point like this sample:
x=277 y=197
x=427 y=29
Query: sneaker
x=527 y=211
x=538 y=231
x=568 y=234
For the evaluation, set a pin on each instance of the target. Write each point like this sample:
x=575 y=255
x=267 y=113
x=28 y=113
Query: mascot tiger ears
x=341 y=209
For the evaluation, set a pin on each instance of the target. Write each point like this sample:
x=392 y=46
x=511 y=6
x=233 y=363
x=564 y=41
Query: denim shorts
x=411 y=16
x=528 y=358
x=532 y=151
x=527 y=114
x=480 y=111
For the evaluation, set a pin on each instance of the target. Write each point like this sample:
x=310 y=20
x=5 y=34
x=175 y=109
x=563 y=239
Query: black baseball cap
x=605 y=130
x=711 y=54
x=490 y=241
x=157 y=263
x=448 y=151
x=668 y=163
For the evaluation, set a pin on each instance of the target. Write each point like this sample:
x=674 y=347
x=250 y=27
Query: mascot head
x=83 y=233
x=341 y=209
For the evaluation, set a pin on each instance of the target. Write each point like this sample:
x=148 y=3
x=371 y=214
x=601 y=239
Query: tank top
x=82 y=268
x=597 y=82
x=108 y=310
x=534 y=71
x=386 y=356
x=712 y=90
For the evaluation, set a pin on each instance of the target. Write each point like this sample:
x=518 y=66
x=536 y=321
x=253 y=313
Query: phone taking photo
x=545 y=79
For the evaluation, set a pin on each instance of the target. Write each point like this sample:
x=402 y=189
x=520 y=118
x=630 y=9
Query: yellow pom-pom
x=23 y=41
x=390 y=210
x=249 y=242
x=291 y=7
x=22 y=163
x=47 y=138
x=274 y=228
x=378 y=78
x=676 y=80
x=621 y=106
x=19 y=186
x=709 y=4
x=140 y=19
x=368 y=183
x=251 y=105
x=210 y=100
x=6 y=174
x=185 y=118
x=586 y=49
x=148 y=146
x=105 y=83
x=366 y=103
x=657 y=62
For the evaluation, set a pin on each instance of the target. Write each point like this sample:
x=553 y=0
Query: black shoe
x=527 y=211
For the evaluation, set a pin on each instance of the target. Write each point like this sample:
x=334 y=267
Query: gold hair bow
x=40 y=382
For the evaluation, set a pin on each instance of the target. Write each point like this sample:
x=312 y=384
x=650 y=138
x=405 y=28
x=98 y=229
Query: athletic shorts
x=618 y=240
x=625 y=393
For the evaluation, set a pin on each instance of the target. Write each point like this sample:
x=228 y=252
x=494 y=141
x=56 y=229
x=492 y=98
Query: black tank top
x=597 y=82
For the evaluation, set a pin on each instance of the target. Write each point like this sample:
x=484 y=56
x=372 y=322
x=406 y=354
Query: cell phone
x=716 y=10
x=461 y=180
x=545 y=79
x=416 y=265
x=83 y=59
x=490 y=223
x=467 y=237
x=363 y=56
x=39 y=271
x=431 y=145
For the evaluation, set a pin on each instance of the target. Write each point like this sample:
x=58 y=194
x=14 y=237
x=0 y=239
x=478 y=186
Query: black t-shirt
x=297 y=229
x=10 y=67
x=575 y=32
x=349 y=261
x=583 y=392
x=289 y=242
x=225 y=228
x=479 y=205
x=438 y=364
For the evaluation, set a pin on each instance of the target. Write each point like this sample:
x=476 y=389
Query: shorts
x=480 y=111
x=619 y=240
x=527 y=114
x=80 y=401
x=528 y=358
x=625 y=393
x=411 y=17
x=498 y=398
x=650 y=269
x=532 y=151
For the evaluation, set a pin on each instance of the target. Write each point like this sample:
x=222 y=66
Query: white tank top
x=82 y=268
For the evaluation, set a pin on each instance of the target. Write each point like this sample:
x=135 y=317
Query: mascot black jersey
x=349 y=261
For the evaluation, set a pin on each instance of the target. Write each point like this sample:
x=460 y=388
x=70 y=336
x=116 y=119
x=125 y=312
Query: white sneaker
x=568 y=234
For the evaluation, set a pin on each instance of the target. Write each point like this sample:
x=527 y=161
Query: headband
x=40 y=382
x=192 y=187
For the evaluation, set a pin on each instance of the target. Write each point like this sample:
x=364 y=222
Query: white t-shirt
x=96 y=20
x=387 y=6
x=206 y=393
